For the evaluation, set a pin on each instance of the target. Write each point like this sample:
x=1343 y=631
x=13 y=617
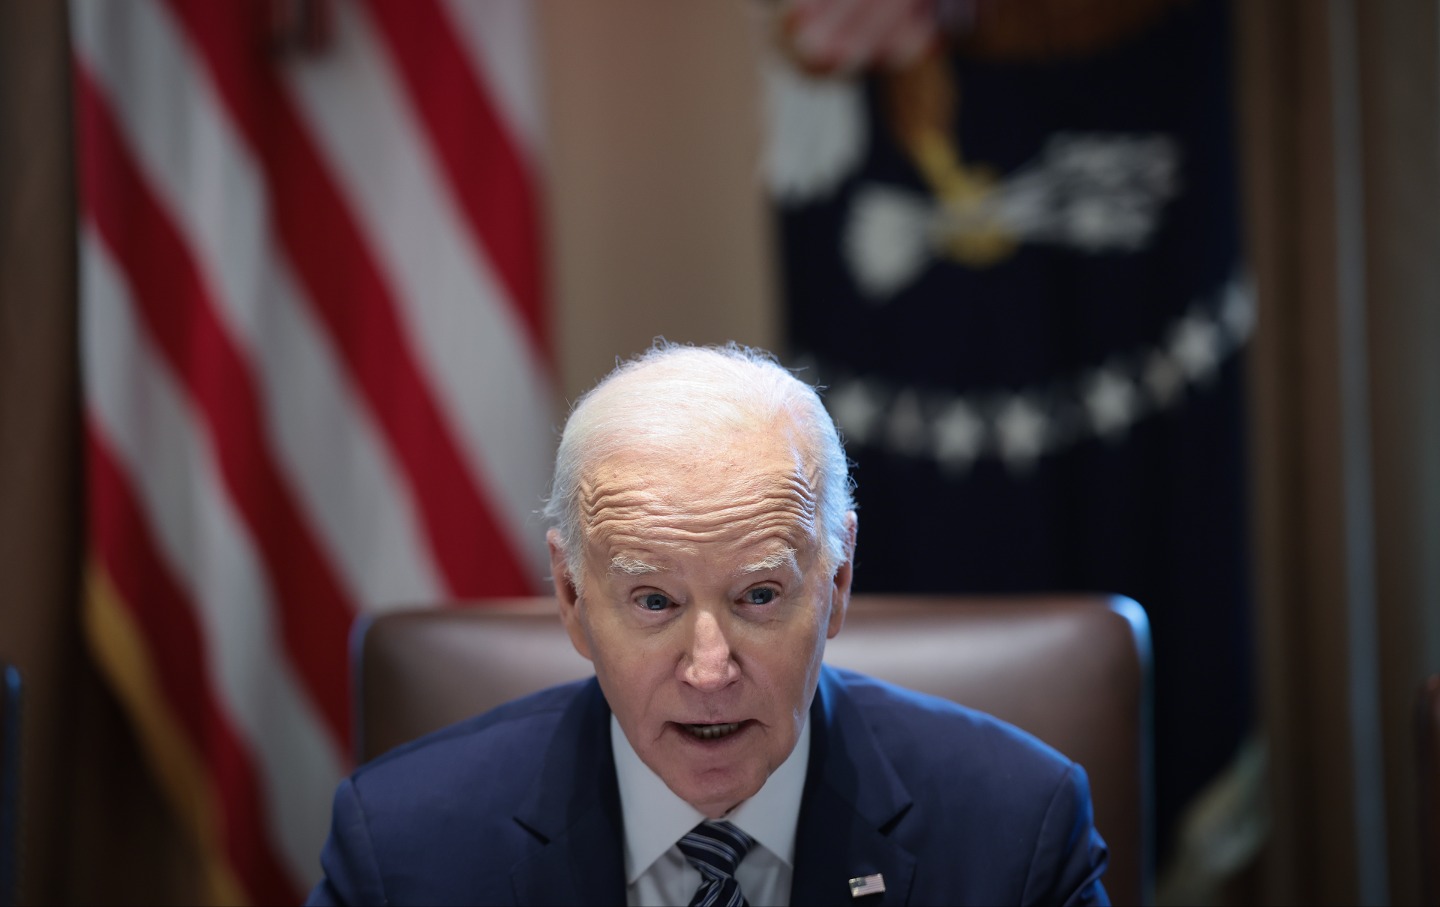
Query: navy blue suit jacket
x=520 y=806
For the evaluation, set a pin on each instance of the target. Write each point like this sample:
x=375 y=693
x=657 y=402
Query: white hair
x=675 y=397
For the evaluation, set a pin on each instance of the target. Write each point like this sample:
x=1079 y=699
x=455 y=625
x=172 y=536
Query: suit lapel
x=574 y=812
x=853 y=796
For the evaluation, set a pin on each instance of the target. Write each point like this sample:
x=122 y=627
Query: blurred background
x=1135 y=296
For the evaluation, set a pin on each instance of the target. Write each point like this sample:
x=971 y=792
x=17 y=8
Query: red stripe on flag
x=128 y=551
x=352 y=298
x=314 y=613
x=486 y=171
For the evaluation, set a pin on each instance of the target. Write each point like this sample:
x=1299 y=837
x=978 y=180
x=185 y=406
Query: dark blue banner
x=1020 y=277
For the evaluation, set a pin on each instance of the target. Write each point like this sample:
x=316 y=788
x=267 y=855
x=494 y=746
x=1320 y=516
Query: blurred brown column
x=1398 y=49
x=1340 y=108
x=39 y=425
x=92 y=828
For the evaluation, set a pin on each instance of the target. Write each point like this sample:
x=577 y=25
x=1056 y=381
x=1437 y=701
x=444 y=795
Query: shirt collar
x=655 y=818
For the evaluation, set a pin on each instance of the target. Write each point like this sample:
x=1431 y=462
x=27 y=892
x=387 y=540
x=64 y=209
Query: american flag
x=316 y=374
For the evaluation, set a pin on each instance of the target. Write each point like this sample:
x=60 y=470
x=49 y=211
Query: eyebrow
x=630 y=566
x=782 y=558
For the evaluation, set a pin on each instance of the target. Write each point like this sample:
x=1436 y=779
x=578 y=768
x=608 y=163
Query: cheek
x=791 y=663
x=616 y=650
x=630 y=665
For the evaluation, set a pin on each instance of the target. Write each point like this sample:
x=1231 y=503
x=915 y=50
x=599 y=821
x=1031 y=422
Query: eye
x=654 y=601
x=760 y=595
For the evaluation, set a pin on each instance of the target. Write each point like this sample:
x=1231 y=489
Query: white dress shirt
x=657 y=873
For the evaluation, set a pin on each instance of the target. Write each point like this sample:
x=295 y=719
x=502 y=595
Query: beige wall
x=657 y=222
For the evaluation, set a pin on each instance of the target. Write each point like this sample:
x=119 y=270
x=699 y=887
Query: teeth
x=712 y=731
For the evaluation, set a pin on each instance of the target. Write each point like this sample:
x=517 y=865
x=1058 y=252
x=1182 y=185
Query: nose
x=710 y=664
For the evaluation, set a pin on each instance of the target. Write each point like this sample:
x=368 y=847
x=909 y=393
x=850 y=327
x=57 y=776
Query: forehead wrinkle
x=790 y=494
x=624 y=537
x=629 y=541
x=625 y=500
x=689 y=531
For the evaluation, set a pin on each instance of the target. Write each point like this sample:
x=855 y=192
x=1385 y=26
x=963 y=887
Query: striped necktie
x=716 y=848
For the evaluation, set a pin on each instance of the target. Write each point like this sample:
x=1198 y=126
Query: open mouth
x=711 y=731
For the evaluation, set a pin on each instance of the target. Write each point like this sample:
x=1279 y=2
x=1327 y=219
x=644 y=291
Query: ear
x=840 y=588
x=567 y=595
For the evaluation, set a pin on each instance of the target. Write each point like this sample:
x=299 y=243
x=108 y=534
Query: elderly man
x=702 y=549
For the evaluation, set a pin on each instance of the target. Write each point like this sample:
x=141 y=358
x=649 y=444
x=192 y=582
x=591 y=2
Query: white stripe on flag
x=147 y=420
x=501 y=40
x=344 y=474
x=173 y=121
x=202 y=172
x=462 y=323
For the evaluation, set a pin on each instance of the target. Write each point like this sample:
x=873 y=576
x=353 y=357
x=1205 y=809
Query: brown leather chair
x=1073 y=670
x=1427 y=736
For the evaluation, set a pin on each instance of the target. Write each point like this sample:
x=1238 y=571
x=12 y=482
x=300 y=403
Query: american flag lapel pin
x=863 y=885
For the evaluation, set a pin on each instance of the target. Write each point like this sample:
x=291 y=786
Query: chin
x=716 y=800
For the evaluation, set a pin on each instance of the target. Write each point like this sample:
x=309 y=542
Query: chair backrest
x=1427 y=738
x=1073 y=670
